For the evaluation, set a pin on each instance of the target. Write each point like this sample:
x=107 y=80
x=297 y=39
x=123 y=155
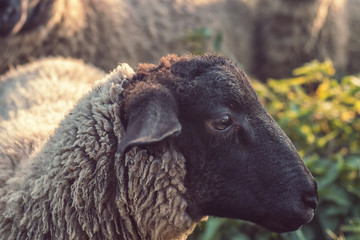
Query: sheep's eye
x=222 y=123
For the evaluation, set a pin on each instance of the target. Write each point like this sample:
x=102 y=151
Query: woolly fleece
x=125 y=199
x=33 y=99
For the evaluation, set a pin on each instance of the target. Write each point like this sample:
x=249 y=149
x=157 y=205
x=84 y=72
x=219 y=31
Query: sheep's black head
x=240 y=164
x=22 y=15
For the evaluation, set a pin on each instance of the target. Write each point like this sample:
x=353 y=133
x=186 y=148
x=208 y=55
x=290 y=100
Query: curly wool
x=78 y=188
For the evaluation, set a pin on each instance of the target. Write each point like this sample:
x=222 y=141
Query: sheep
x=116 y=30
x=26 y=93
x=147 y=154
x=353 y=45
x=36 y=29
x=269 y=40
x=291 y=33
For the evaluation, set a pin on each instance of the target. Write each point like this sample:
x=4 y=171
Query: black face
x=240 y=164
x=22 y=15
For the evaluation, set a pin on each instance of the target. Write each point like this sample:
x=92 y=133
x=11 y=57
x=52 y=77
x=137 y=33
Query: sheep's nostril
x=310 y=199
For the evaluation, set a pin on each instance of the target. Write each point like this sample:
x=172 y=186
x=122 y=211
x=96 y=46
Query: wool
x=29 y=91
x=78 y=188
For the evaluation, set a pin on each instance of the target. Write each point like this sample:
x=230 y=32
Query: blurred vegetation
x=200 y=40
x=197 y=40
x=321 y=115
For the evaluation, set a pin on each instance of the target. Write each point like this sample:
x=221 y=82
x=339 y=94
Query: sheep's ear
x=149 y=122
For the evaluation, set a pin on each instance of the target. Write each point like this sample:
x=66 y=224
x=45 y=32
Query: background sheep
x=353 y=45
x=64 y=28
x=33 y=103
x=291 y=33
x=147 y=155
x=269 y=38
x=104 y=32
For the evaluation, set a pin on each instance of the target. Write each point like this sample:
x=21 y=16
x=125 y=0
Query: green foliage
x=322 y=117
x=201 y=40
x=197 y=40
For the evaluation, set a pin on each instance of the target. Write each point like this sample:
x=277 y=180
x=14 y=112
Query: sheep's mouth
x=288 y=223
x=10 y=15
x=278 y=226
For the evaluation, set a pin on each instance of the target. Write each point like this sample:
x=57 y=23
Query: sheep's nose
x=311 y=198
